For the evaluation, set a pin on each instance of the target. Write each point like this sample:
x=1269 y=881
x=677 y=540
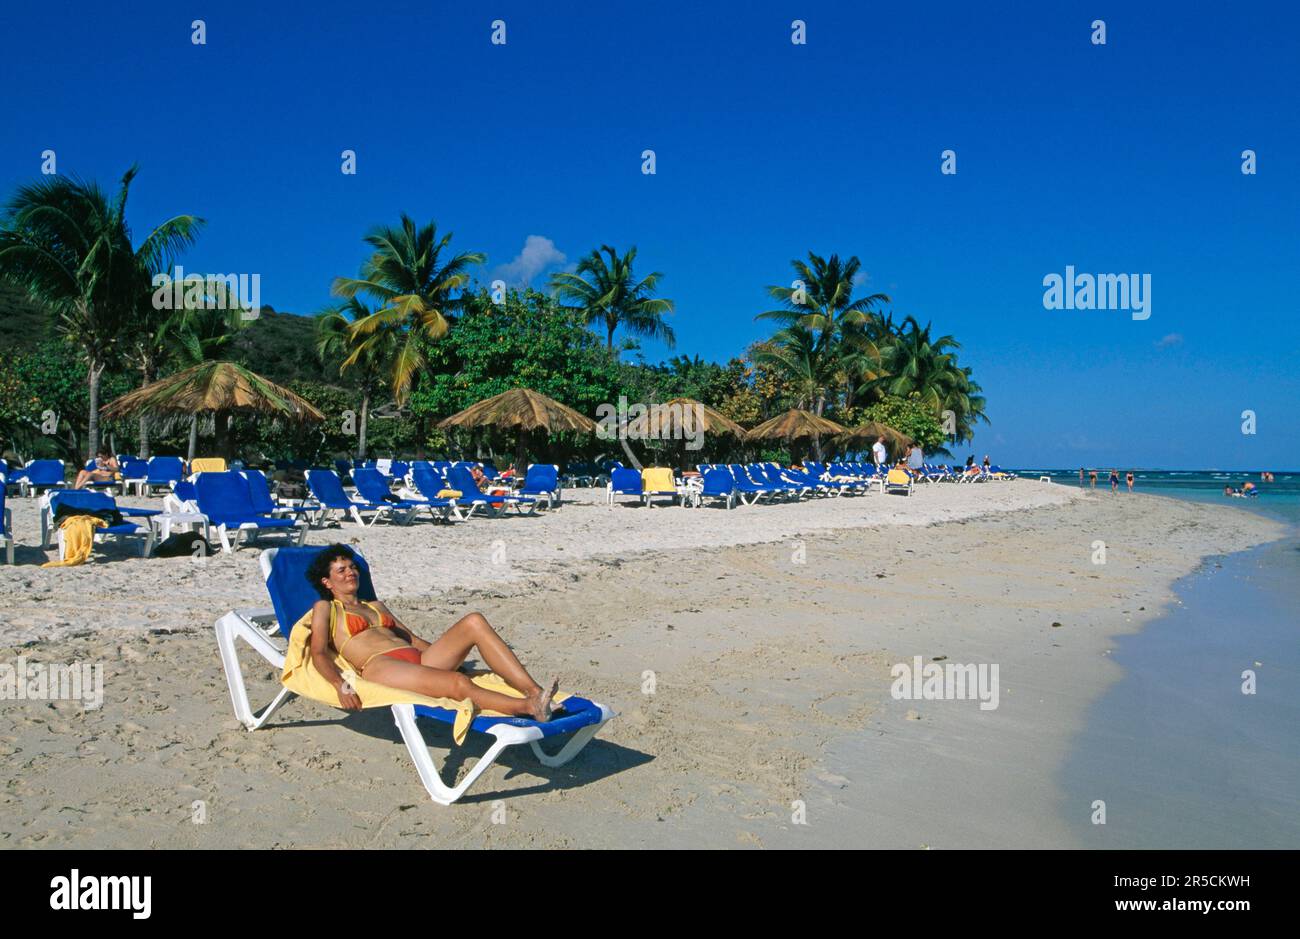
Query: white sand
x=769 y=631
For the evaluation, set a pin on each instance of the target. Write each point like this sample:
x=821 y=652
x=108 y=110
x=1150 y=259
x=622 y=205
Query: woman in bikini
x=384 y=651
x=104 y=470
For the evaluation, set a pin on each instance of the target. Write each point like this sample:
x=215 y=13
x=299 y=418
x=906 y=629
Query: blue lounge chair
x=624 y=482
x=542 y=482
x=372 y=486
x=134 y=472
x=326 y=486
x=718 y=484
x=576 y=722
x=259 y=491
x=41 y=474
x=459 y=478
x=92 y=501
x=164 y=472
x=746 y=484
x=343 y=468
x=225 y=499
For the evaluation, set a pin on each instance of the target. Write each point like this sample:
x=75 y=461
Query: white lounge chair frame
x=257 y=627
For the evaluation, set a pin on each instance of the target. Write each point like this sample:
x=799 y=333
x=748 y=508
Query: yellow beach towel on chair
x=301 y=677
x=78 y=539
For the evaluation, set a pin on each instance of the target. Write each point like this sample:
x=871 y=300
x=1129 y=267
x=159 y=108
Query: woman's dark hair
x=320 y=567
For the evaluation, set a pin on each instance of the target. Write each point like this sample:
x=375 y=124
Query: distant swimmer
x=1092 y=479
x=1080 y=477
x=1129 y=479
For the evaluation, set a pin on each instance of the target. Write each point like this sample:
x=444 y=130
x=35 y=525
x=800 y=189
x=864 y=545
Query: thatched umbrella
x=524 y=410
x=894 y=439
x=680 y=418
x=220 y=388
x=795 y=424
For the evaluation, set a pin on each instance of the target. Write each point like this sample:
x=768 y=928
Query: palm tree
x=916 y=363
x=68 y=245
x=614 y=297
x=199 y=333
x=414 y=290
x=827 y=335
x=371 y=356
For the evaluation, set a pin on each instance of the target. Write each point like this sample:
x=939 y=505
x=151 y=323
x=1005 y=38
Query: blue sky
x=1122 y=158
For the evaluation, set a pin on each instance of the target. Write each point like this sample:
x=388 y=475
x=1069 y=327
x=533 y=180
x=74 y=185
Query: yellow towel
x=448 y=494
x=208 y=464
x=78 y=539
x=658 y=479
x=301 y=677
x=898 y=477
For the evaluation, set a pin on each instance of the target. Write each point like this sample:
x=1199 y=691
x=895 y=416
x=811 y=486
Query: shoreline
x=771 y=685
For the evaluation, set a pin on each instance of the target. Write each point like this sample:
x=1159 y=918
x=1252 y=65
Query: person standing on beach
x=878 y=451
x=915 y=458
x=1080 y=477
x=1129 y=480
x=1114 y=480
x=1092 y=479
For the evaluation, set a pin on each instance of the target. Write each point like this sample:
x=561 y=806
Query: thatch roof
x=873 y=429
x=216 y=387
x=522 y=409
x=795 y=423
x=670 y=418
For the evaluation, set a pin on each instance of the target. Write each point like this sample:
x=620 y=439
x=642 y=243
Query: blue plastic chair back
x=626 y=481
x=428 y=480
x=165 y=469
x=224 y=497
x=541 y=477
x=326 y=486
x=185 y=491
x=371 y=484
x=292 y=594
x=399 y=469
x=259 y=492
x=718 y=483
x=87 y=499
x=135 y=468
x=458 y=477
x=45 y=472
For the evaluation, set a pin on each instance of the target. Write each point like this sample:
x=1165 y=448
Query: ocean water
x=1181 y=757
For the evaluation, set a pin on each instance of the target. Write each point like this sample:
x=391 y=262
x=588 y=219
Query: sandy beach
x=748 y=654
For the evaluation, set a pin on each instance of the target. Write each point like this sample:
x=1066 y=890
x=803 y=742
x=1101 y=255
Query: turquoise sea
x=1180 y=755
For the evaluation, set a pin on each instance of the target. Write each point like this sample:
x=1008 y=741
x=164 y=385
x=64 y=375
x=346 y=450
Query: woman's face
x=344 y=577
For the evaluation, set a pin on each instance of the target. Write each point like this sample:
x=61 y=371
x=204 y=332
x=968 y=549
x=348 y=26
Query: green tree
x=414 y=289
x=368 y=357
x=824 y=335
x=604 y=289
x=68 y=245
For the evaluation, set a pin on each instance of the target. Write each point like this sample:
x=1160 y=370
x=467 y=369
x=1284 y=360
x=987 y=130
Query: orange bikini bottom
x=409 y=654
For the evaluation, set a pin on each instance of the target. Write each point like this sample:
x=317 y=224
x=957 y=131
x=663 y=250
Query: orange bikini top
x=356 y=623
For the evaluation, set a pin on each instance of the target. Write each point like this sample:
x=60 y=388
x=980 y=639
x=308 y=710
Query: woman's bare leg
x=441 y=683
x=473 y=630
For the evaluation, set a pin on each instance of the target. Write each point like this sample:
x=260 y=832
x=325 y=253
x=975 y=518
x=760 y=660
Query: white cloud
x=860 y=278
x=537 y=255
x=1171 y=339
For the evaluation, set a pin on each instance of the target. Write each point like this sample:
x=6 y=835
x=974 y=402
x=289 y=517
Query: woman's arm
x=321 y=657
x=411 y=637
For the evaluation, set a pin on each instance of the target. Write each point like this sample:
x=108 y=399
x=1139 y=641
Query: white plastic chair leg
x=440 y=792
x=233 y=626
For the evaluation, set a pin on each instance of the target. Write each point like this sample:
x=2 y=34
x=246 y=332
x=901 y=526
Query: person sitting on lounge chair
x=104 y=471
x=384 y=651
